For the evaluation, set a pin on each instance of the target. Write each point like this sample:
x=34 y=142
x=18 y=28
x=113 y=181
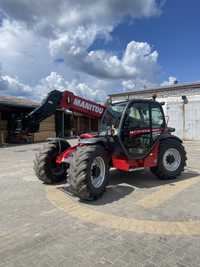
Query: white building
x=182 y=106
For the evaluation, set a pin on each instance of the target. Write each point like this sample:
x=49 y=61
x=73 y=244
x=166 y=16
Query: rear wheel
x=45 y=166
x=89 y=172
x=171 y=160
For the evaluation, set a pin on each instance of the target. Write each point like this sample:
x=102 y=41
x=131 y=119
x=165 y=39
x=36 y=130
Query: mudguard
x=66 y=156
x=95 y=140
x=169 y=136
x=61 y=142
x=57 y=139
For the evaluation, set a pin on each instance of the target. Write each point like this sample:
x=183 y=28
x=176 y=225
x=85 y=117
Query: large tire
x=171 y=159
x=88 y=173
x=45 y=166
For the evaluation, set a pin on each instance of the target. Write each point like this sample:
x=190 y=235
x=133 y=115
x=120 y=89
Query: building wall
x=47 y=130
x=184 y=117
x=78 y=125
x=164 y=94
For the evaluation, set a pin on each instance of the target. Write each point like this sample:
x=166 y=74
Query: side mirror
x=171 y=130
x=162 y=103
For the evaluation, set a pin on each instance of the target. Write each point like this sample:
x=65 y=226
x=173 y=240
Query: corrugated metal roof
x=160 y=89
x=17 y=102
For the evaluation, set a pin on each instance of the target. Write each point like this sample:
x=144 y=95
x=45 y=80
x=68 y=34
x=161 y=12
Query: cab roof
x=135 y=100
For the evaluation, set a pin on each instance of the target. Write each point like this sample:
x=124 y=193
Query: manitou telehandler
x=133 y=135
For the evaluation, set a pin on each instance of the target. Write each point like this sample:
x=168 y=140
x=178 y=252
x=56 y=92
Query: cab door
x=142 y=124
x=136 y=135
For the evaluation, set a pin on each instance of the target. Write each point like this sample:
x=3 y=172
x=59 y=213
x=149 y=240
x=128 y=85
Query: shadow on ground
x=145 y=179
x=123 y=184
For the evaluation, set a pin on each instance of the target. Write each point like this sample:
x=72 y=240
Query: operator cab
x=136 y=124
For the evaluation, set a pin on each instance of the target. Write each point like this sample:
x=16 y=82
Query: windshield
x=112 y=117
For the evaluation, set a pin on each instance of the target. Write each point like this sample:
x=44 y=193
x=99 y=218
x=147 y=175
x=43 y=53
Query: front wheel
x=171 y=160
x=89 y=172
x=45 y=166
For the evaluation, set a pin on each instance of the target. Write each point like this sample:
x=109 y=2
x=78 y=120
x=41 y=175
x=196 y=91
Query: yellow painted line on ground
x=166 y=192
x=82 y=212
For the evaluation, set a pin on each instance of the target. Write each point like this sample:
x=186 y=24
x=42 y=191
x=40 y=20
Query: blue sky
x=175 y=34
x=95 y=48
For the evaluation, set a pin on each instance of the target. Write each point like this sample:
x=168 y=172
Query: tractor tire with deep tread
x=163 y=170
x=80 y=173
x=45 y=166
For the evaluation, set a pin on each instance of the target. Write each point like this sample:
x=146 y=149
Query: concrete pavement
x=140 y=221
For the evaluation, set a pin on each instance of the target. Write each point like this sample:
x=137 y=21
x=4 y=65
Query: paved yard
x=140 y=221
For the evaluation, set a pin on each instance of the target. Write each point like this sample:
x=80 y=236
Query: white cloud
x=11 y=86
x=29 y=61
x=56 y=81
x=70 y=27
x=138 y=84
x=128 y=85
x=94 y=89
x=138 y=58
x=73 y=42
x=50 y=17
x=23 y=53
x=37 y=33
x=171 y=80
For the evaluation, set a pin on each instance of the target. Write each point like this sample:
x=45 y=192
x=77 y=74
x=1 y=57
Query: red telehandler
x=133 y=135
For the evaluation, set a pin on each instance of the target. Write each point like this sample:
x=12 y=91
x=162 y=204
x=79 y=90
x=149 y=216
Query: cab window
x=157 y=116
x=137 y=116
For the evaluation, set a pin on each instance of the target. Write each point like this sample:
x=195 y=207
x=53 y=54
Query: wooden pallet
x=42 y=136
x=3 y=125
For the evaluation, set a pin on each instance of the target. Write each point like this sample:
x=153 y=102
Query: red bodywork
x=81 y=105
x=87 y=135
x=66 y=154
x=119 y=162
x=123 y=164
